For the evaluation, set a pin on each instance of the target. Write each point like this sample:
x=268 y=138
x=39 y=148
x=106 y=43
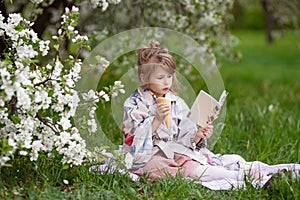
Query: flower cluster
x=103 y=3
x=91 y=98
x=69 y=22
x=36 y=1
x=117 y=88
x=37 y=101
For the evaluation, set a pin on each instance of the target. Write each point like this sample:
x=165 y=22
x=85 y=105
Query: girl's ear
x=142 y=78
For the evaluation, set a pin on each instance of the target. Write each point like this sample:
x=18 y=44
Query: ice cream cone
x=168 y=117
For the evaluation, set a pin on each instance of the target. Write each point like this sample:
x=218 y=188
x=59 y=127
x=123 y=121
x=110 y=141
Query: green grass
x=267 y=75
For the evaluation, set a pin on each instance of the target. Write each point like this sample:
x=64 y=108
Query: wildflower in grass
x=271 y=107
x=66 y=182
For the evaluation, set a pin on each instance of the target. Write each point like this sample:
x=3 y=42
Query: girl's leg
x=210 y=173
x=229 y=159
x=262 y=169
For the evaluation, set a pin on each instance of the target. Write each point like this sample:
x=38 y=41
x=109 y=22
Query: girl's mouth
x=166 y=89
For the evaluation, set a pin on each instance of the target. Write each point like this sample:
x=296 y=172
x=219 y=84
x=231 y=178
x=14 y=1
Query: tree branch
x=47 y=123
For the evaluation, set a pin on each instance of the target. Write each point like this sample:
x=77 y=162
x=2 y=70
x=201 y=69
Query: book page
x=223 y=97
x=205 y=108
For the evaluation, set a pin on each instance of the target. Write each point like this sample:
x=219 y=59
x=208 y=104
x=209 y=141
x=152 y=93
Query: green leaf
x=19 y=28
x=50 y=93
x=5 y=146
x=65 y=166
x=56 y=46
x=15 y=119
x=88 y=47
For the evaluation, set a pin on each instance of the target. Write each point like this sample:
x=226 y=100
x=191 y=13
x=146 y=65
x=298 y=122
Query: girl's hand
x=204 y=132
x=162 y=111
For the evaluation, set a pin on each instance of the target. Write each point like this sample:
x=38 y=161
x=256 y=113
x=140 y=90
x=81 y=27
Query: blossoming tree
x=38 y=101
x=38 y=76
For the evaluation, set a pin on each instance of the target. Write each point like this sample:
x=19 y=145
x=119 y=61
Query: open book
x=206 y=108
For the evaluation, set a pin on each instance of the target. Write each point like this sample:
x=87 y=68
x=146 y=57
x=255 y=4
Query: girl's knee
x=233 y=158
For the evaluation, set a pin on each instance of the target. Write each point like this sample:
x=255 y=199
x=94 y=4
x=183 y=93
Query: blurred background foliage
x=273 y=16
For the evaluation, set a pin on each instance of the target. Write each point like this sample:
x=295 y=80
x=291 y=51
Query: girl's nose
x=166 y=81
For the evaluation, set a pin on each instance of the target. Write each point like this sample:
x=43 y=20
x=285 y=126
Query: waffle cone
x=168 y=117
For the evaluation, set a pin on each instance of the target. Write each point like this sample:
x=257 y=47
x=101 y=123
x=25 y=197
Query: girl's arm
x=203 y=132
x=189 y=135
x=155 y=124
x=161 y=112
x=137 y=126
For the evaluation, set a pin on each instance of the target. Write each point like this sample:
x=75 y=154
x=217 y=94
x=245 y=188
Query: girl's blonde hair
x=150 y=58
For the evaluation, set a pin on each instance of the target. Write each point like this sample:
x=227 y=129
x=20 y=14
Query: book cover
x=206 y=108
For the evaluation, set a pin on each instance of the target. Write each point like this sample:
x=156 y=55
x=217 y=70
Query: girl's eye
x=159 y=78
x=170 y=76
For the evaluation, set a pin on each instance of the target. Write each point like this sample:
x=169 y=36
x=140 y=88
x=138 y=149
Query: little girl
x=158 y=151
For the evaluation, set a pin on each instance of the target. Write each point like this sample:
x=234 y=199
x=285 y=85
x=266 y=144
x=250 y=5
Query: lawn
x=262 y=123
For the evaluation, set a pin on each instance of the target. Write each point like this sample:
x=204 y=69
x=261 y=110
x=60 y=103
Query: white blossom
x=92 y=124
x=104 y=95
x=25 y=52
x=59 y=31
x=117 y=88
x=1 y=104
x=36 y=1
x=77 y=67
x=67 y=10
x=42 y=97
x=122 y=91
x=44 y=47
x=23 y=153
x=102 y=62
x=75 y=9
x=92 y=112
x=71 y=28
x=14 y=19
x=4 y=159
x=24 y=100
x=36 y=147
x=65 y=123
x=103 y=3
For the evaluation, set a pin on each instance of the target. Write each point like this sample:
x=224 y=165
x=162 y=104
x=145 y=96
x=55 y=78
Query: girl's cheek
x=160 y=82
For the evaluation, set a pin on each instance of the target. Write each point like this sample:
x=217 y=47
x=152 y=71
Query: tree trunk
x=269 y=20
x=43 y=20
x=2 y=43
x=3 y=10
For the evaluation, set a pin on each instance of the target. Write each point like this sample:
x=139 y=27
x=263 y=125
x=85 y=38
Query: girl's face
x=160 y=82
